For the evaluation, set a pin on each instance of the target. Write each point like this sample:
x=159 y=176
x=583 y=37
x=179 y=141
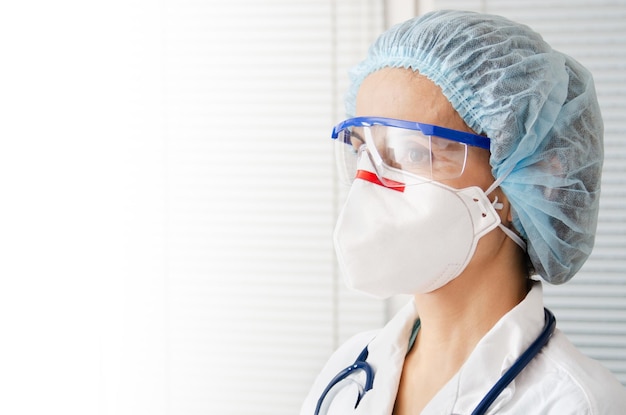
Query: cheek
x=474 y=175
x=478 y=170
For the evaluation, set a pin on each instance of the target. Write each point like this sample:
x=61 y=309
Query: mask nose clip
x=372 y=173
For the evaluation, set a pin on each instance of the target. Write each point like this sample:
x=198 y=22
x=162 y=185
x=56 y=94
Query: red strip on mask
x=371 y=177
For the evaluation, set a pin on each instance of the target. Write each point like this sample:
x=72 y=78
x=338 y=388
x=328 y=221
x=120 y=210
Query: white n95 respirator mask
x=408 y=240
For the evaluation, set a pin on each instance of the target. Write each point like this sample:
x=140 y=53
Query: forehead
x=404 y=94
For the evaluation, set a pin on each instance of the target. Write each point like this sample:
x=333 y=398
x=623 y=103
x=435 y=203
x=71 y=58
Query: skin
x=456 y=316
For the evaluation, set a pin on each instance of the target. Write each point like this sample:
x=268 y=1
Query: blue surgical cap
x=537 y=105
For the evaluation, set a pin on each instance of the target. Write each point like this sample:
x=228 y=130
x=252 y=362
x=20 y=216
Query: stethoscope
x=361 y=365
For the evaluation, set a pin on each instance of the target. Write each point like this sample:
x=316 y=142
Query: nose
x=368 y=170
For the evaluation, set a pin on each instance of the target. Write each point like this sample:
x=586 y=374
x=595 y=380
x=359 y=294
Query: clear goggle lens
x=399 y=156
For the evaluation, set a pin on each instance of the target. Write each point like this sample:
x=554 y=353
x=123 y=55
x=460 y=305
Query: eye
x=409 y=153
x=416 y=154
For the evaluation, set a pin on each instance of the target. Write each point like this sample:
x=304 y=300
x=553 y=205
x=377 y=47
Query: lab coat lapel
x=386 y=355
x=492 y=357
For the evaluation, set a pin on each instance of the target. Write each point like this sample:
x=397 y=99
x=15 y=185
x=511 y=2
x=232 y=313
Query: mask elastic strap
x=519 y=241
x=498 y=206
x=497 y=182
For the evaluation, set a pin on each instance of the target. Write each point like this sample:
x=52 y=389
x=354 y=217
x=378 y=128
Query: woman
x=476 y=154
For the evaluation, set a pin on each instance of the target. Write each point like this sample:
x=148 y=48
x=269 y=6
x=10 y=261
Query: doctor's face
x=405 y=95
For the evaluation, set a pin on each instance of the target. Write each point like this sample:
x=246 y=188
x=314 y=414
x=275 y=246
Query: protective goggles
x=401 y=152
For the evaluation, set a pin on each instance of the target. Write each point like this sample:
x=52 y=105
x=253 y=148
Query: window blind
x=591 y=308
x=168 y=203
x=253 y=305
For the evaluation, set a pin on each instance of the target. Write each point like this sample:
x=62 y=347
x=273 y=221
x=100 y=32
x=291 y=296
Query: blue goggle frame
x=427 y=129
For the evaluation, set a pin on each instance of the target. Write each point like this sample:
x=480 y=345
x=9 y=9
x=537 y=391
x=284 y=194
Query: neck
x=455 y=317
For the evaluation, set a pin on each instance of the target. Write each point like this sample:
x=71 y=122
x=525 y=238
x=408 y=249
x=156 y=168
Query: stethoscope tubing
x=359 y=364
x=519 y=365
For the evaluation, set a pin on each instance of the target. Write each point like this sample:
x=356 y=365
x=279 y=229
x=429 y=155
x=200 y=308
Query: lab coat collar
x=387 y=352
x=492 y=356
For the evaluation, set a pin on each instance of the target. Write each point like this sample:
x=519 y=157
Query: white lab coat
x=558 y=381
